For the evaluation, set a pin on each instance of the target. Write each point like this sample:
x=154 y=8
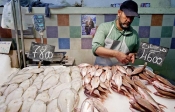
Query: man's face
x=124 y=21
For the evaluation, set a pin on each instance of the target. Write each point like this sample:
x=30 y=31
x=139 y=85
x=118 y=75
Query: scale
x=57 y=58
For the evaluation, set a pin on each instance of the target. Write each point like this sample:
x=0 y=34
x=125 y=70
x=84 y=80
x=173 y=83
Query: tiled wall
x=64 y=32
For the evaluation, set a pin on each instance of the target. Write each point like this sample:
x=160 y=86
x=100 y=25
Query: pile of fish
x=129 y=81
x=45 y=89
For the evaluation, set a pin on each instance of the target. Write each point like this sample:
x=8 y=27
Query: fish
x=98 y=72
x=26 y=105
x=141 y=85
x=164 y=81
x=15 y=94
x=121 y=69
x=38 y=106
x=20 y=78
x=148 y=97
x=161 y=95
x=84 y=71
x=67 y=100
x=49 y=74
x=3 y=107
x=48 y=70
x=108 y=75
x=44 y=96
x=150 y=73
x=2 y=99
x=38 y=81
x=139 y=69
x=9 y=89
x=99 y=105
x=162 y=86
x=58 y=89
x=65 y=77
x=76 y=84
x=103 y=77
x=118 y=81
x=25 y=84
x=75 y=74
x=87 y=105
x=31 y=92
x=51 y=81
x=52 y=106
x=35 y=70
x=3 y=88
x=14 y=105
x=87 y=79
x=83 y=65
x=95 y=82
x=164 y=92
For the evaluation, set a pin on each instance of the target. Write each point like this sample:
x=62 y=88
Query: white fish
x=84 y=71
x=75 y=68
x=76 y=84
x=61 y=69
x=87 y=79
x=35 y=70
x=52 y=106
x=34 y=76
x=20 y=78
x=103 y=77
x=51 y=81
x=121 y=69
x=75 y=74
x=30 y=92
x=95 y=82
x=25 y=84
x=108 y=75
x=118 y=81
x=65 y=77
x=38 y=106
x=10 y=88
x=48 y=75
x=14 y=105
x=3 y=107
x=83 y=65
x=48 y=70
x=38 y=81
x=87 y=105
x=162 y=86
x=98 y=72
x=67 y=100
x=93 y=71
x=44 y=96
x=2 y=99
x=3 y=88
x=58 y=89
x=17 y=93
x=22 y=71
x=27 y=104
x=52 y=88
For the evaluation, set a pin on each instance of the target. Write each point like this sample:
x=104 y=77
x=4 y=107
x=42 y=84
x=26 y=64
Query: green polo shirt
x=132 y=39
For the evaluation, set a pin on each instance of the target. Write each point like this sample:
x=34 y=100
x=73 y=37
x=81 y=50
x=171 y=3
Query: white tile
x=145 y=20
x=99 y=19
x=168 y=20
x=51 y=21
x=155 y=31
x=63 y=31
x=28 y=19
x=75 y=20
x=54 y=42
x=75 y=43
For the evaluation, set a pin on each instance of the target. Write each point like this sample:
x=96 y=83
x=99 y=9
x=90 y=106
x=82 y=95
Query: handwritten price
x=43 y=54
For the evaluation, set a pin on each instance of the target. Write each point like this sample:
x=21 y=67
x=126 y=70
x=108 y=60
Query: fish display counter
x=86 y=88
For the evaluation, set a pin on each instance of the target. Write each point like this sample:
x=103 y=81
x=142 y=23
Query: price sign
x=5 y=46
x=41 y=51
x=152 y=53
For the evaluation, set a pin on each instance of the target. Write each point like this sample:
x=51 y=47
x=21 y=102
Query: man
x=117 y=42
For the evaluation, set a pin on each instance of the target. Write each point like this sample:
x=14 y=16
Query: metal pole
x=16 y=32
x=21 y=31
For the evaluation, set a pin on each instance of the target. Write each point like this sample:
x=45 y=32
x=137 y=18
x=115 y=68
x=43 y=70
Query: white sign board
x=5 y=46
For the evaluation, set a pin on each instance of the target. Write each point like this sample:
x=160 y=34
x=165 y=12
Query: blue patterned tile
x=110 y=17
x=64 y=43
x=144 y=31
x=52 y=31
x=154 y=41
x=172 y=43
x=86 y=43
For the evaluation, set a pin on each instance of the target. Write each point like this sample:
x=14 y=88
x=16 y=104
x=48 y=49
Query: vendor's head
x=128 y=10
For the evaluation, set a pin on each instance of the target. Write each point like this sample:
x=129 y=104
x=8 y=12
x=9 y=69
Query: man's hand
x=132 y=57
x=122 y=57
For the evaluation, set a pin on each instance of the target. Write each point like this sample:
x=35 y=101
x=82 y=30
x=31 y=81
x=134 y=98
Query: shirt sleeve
x=99 y=38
